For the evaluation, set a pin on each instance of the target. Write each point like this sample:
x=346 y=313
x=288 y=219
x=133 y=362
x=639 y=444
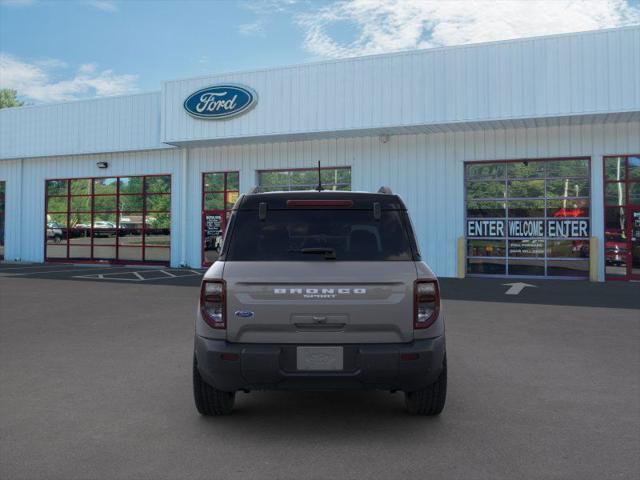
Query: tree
x=8 y=98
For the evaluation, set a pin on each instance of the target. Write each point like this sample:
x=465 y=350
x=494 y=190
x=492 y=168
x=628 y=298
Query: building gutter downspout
x=183 y=211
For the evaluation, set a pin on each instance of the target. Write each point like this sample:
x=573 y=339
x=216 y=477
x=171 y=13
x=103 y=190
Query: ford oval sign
x=220 y=101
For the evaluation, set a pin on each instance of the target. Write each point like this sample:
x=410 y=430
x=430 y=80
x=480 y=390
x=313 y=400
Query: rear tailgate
x=319 y=302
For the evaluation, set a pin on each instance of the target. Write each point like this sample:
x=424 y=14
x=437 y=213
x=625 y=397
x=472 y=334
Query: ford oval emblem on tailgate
x=244 y=314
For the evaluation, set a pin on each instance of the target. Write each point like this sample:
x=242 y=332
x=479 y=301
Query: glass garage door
x=333 y=178
x=115 y=219
x=528 y=218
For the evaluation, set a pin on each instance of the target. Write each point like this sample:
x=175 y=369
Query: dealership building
x=516 y=158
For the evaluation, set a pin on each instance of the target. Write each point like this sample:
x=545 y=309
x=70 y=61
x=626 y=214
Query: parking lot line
x=24 y=267
x=139 y=275
x=39 y=272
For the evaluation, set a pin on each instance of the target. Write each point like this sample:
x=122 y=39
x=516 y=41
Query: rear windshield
x=319 y=235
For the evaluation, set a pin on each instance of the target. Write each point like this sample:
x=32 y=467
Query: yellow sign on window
x=232 y=197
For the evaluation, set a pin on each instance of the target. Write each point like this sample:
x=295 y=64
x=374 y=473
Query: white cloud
x=389 y=25
x=264 y=10
x=87 y=68
x=252 y=29
x=36 y=81
x=104 y=5
x=269 y=6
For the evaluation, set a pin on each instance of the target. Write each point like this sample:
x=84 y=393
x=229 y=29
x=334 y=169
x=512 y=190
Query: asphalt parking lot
x=95 y=383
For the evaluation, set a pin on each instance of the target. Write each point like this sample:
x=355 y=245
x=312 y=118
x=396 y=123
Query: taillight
x=426 y=303
x=212 y=303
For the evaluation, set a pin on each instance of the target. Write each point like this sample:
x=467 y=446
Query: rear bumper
x=273 y=367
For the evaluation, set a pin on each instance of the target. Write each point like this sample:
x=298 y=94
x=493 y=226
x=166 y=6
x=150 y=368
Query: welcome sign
x=528 y=228
x=219 y=102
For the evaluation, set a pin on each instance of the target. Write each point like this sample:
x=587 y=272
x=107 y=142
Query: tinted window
x=352 y=235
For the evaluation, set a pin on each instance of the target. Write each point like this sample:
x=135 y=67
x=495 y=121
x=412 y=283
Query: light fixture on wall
x=102 y=164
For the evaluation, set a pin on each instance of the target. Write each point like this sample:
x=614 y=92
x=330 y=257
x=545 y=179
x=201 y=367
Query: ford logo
x=220 y=101
x=244 y=314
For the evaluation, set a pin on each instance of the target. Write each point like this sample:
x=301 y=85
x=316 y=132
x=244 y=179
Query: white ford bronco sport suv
x=319 y=290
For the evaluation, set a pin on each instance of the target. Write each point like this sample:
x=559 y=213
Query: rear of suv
x=319 y=290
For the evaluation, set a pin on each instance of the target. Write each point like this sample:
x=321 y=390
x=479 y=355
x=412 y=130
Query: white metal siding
x=27 y=219
x=547 y=77
x=425 y=169
x=11 y=174
x=89 y=126
x=573 y=77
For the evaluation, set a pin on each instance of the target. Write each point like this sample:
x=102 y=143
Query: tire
x=429 y=401
x=210 y=401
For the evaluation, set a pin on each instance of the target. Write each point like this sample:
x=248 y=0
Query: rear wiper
x=329 y=253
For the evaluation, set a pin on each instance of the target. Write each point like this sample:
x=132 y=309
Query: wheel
x=210 y=401
x=430 y=400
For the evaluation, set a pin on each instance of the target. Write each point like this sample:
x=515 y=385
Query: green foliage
x=485 y=189
x=332 y=179
x=8 y=98
x=158 y=184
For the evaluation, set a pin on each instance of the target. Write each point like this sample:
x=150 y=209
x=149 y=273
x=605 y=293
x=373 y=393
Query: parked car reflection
x=104 y=229
x=54 y=232
x=615 y=248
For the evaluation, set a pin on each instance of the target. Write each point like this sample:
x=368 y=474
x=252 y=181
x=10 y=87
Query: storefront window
x=529 y=218
x=220 y=190
x=109 y=219
x=333 y=178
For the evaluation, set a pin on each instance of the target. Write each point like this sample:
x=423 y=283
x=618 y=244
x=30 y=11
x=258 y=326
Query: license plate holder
x=320 y=359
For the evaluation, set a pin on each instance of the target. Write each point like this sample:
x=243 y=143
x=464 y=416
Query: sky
x=59 y=50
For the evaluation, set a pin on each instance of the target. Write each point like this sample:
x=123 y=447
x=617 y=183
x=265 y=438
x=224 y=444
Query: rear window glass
x=319 y=235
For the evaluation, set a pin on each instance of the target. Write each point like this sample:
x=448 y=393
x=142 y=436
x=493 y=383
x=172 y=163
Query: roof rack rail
x=385 y=190
x=255 y=189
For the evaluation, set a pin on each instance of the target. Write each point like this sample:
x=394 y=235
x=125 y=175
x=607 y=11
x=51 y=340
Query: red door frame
x=628 y=213
x=630 y=241
x=223 y=213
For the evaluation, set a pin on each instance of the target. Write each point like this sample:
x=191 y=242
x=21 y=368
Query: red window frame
x=117 y=212
x=627 y=207
x=223 y=212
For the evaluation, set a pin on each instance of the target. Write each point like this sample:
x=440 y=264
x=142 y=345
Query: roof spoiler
x=383 y=189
